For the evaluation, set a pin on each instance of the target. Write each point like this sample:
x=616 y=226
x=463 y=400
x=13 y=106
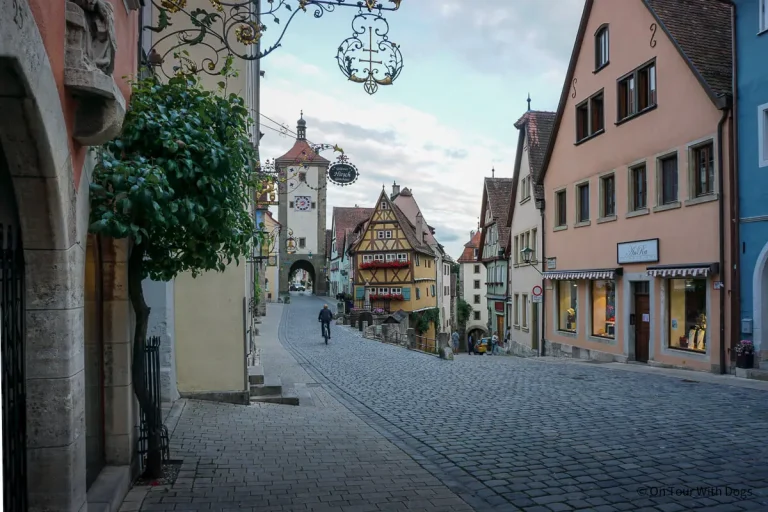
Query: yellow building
x=394 y=268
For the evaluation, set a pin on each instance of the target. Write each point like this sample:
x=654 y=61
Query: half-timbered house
x=394 y=264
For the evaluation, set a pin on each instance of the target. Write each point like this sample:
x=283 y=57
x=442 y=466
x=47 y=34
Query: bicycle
x=326 y=332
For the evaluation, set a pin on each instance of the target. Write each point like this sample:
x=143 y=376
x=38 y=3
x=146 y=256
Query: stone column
x=411 y=338
x=159 y=297
x=120 y=406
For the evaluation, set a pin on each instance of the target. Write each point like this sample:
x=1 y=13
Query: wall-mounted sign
x=639 y=251
x=343 y=174
x=499 y=307
x=551 y=263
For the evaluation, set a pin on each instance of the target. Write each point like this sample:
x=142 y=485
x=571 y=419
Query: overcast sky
x=446 y=121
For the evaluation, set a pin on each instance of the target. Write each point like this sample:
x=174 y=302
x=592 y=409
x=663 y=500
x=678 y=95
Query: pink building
x=635 y=187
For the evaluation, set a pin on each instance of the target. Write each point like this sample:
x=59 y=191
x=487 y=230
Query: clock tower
x=302 y=211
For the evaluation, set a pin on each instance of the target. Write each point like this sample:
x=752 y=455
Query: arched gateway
x=301 y=212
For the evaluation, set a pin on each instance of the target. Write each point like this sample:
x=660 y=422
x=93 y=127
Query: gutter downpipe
x=721 y=207
x=543 y=308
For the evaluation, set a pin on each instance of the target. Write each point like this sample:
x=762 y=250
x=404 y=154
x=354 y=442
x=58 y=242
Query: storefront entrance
x=642 y=320
x=500 y=326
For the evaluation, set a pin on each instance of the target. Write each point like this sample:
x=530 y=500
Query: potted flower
x=379 y=311
x=745 y=354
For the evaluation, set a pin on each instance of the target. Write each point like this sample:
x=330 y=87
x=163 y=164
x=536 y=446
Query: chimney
x=420 y=227
x=395 y=189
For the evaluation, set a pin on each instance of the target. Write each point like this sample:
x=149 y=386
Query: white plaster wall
x=159 y=297
x=304 y=224
x=469 y=292
x=523 y=278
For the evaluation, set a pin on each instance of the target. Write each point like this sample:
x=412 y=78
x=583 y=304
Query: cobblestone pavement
x=519 y=434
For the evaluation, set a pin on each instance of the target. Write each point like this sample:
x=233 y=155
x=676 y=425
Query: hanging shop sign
x=343 y=174
x=639 y=251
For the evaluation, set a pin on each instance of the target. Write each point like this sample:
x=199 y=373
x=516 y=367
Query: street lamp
x=527 y=254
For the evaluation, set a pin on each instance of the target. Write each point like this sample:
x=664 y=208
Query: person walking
x=470 y=345
x=455 y=340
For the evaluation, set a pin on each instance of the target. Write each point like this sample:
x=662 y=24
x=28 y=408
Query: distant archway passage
x=313 y=265
x=310 y=270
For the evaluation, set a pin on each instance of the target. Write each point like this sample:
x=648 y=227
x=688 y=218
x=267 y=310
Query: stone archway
x=760 y=300
x=309 y=268
x=35 y=139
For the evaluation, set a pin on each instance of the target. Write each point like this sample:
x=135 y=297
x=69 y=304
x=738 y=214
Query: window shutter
x=406 y=294
x=360 y=293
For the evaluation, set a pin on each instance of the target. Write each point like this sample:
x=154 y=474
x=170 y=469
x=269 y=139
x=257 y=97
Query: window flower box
x=384 y=264
x=386 y=297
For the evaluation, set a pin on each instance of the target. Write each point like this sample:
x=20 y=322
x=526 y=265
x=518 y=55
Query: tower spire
x=529 y=102
x=301 y=128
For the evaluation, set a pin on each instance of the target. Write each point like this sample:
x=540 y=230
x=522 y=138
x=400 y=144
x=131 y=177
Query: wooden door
x=642 y=327
x=535 y=326
x=500 y=326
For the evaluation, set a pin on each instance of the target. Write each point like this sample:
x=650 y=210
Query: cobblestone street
x=392 y=429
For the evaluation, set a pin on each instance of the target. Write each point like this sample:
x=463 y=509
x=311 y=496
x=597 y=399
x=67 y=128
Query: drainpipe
x=721 y=207
x=543 y=307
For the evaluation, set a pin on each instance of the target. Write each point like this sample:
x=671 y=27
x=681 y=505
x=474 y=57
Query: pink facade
x=654 y=174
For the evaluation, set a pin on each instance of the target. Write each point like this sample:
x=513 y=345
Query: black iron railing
x=427 y=345
x=14 y=401
x=152 y=421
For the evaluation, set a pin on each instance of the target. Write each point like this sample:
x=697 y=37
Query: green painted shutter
x=360 y=292
x=406 y=294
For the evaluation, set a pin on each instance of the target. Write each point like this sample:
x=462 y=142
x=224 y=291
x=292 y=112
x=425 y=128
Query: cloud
x=506 y=36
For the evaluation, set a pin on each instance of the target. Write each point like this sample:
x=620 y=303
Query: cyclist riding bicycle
x=325 y=318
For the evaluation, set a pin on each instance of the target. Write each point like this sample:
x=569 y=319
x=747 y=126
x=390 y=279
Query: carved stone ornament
x=88 y=66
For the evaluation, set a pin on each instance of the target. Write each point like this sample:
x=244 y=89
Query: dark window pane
x=639 y=184
x=582 y=121
x=704 y=162
x=609 y=197
x=669 y=180
x=583 y=203
x=597 y=113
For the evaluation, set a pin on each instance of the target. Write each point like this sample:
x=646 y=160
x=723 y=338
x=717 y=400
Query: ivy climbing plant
x=421 y=320
x=177 y=183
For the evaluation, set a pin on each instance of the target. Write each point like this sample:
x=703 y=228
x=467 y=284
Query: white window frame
x=762 y=125
x=380 y=235
x=396 y=291
x=378 y=257
x=302 y=243
x=524 y=311
x=516 y=313
x=384 y=205
x=402 y=256
x=391 y=257
x=367 y=258
x=476 y=315
x=476 y=284
x=476 y=299
x=388 y=234
x=525 y=188
x=382 y=291
x=477 y=269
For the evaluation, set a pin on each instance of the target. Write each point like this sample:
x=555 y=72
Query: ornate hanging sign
x=343 y=172
x=368 y=61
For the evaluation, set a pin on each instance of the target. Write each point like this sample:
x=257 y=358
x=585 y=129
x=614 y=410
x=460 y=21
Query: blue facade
x=752 y=92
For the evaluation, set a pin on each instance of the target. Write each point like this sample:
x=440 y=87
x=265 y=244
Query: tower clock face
x=303 y=203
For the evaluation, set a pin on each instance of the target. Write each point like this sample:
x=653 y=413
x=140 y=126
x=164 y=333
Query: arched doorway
x=305 y=267
x=760 y=299
x=12 y=341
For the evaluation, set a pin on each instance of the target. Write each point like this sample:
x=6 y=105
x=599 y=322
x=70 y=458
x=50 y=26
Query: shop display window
x=566 y=305
x=604 y=309
x=687 y=314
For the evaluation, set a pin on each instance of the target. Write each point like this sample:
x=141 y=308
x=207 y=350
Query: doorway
x=535 y=326
x=642 y=320
x=500 y=326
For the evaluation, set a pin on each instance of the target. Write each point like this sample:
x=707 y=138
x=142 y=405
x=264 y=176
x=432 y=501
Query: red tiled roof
x=468 y=256
x=301 y=152
x=345 y=220
x=499 y=191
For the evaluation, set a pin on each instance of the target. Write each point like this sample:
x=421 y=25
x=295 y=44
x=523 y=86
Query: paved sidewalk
x=265 y=457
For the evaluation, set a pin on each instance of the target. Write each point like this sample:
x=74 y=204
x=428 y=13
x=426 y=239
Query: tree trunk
x=154 y=463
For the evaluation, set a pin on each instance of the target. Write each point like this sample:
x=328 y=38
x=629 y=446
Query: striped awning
x=568 y=275
x=680 y=272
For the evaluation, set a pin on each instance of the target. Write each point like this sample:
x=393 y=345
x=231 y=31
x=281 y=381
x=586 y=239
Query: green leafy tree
x=177 y=183
x=463 y=311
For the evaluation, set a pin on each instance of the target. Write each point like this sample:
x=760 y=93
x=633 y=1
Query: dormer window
x=601 y=47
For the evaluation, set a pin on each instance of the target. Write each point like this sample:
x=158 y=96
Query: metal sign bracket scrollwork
x=230 y=29
x=372 y=62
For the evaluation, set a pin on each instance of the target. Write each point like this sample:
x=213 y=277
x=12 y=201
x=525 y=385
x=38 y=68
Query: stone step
x=255 y=375
x=275 y=399
x=756 y=374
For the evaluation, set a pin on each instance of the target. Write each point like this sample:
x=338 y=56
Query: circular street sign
x=537 y=291
x=343 y=173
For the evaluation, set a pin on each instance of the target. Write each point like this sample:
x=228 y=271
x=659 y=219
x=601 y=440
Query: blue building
x=752 y=117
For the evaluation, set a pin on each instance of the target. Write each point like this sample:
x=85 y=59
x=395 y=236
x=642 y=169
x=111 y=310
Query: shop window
x=524 y=311
x=561 y=211
x=516 y=316
x=703 y=169
x=582 y=203
x=604 y=309
x=687 y=314
x=668 y=179
x=567 y=306
x=590 y=117
x=638 y=193
x=637 y=91
x=477 y=299
x=608 y=196
x=476 y=315
x=601 y=47
x=762 y=131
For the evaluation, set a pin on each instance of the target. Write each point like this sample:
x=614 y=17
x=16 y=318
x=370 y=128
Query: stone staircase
x=269 y=390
